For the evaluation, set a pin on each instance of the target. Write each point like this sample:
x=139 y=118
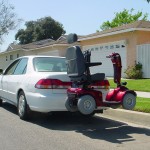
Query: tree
x=148 y=1
x=124 y=17
x=43 y=28
x=8 y=19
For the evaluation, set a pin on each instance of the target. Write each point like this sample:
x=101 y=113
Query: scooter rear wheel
x=129 y=101
x=86 y=104
x=69 y=106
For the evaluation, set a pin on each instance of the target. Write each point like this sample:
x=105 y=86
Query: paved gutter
x=138 y=118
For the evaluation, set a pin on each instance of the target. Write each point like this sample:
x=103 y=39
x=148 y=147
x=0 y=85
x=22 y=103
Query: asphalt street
x=63 y=131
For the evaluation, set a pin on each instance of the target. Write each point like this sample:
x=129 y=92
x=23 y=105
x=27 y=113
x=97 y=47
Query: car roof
x=35 y=56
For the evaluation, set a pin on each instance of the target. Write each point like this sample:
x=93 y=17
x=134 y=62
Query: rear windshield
x=49 y=64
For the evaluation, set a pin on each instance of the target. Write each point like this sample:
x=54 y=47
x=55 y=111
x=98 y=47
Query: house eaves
x=5 y=52
x=45 y=47
x=114 y=33
x=32 y=49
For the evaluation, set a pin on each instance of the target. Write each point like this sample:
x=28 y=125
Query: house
x=131 y=41
x=43 y=47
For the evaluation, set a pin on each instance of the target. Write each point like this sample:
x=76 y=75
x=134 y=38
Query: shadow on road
x=95 y=127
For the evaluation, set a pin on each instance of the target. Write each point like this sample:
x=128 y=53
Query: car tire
x=22 y=106
x=86 y=105
x=129 y=101
x=1 y=102
x=70 y=107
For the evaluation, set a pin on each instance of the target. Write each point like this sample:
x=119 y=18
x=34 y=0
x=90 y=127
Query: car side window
x=11 y=68
x=21 y=67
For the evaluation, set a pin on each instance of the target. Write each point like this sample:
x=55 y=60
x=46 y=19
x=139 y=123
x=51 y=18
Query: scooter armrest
x=93 y=64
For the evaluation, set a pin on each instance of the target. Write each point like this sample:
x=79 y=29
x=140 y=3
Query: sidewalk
x=143 y=94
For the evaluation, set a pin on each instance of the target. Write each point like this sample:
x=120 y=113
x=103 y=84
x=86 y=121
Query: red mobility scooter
x=90 y=92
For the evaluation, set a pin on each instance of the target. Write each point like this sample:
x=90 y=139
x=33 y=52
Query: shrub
x=134 y=72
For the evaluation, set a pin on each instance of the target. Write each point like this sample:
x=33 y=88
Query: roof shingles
x=63 y=38
x=137 y=24
x=38 y=44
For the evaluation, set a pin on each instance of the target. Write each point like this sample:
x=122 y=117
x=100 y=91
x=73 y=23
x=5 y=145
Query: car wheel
x=1 y=101
x=86 y=104
x=129 y=101
x=22 y=106
x=69 y=106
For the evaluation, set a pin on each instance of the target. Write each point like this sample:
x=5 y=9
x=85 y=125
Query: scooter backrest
x=71 y=38
x=75 y=62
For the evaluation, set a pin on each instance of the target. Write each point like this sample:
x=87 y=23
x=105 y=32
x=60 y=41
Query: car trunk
x=61 y=82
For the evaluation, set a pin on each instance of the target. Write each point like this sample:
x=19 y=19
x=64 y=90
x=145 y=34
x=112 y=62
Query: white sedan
x=37 y=83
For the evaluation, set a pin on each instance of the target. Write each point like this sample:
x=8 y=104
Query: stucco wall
x=61 y=50
x=3 y=63
x=5 y=55
x=143 y=37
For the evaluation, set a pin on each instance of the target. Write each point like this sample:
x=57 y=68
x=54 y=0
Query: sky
x=82 y=17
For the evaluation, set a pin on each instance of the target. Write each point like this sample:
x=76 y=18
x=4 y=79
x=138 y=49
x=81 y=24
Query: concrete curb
x=138 y=118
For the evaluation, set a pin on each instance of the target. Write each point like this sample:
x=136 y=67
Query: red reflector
x=52 y=84
x=101 y=84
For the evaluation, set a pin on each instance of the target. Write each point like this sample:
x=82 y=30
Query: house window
x=106 y=47
x=17 y=55
x=101 y=47
x=92 y=49
x=117 y=46
x=11 y=57
x=96 y=49
x=112 y=47
x=6 y=58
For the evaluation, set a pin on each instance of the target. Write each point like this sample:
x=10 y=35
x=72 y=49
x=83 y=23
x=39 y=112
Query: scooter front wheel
x=86 y=104
x=129 y=101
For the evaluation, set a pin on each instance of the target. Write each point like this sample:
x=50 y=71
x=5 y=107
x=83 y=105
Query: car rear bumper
x=46 y=102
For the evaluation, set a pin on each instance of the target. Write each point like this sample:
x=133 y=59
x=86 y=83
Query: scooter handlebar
x=108 y=56
x=113 y=55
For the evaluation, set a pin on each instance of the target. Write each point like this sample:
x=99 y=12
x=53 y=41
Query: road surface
x=64 y=131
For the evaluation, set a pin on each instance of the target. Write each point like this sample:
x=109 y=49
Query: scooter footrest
x=111 y=102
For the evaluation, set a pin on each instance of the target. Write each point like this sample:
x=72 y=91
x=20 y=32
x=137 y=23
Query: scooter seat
x=79 y=78
x=98 y=76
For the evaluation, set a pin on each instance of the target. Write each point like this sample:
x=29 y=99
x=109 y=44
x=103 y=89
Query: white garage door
x=99 y=53
x=143 y=56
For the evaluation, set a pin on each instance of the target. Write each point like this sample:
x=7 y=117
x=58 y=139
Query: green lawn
x=143 y=105
x=137 y=85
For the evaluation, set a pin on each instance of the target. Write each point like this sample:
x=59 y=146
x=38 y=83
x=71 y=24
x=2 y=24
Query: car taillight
x=101 y=84
x=52 y=84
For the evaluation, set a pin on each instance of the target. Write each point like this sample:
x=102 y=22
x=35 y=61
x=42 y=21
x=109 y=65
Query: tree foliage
x=148 y=1
x=43 y=28
x=124 y=17
x=8 y=19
